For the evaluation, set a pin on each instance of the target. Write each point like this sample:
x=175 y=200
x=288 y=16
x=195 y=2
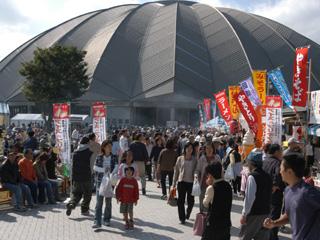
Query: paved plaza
x=154 y=219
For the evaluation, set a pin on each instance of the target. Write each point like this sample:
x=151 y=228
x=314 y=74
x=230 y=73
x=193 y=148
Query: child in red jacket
x=127 y=193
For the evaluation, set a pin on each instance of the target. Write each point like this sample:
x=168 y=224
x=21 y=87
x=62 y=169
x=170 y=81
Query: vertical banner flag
x=201 y=116
x=233 y=90
x=251 y=93
x=259 y=81
x=207 y=108
x=300 y=82
x=277 y=79
x=214 y=108
x=61 y=118
x=99 y=121
x=315 y=107
x=247 y=111
x=223 y=105
x=273 y=127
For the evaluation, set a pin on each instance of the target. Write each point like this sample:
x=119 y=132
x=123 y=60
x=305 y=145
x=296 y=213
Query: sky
x=20 y=20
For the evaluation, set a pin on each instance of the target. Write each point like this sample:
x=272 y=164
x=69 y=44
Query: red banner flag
x=247 y=111
x=61 y=110
x=207 y=108
x=99 y=109
x=223 y=105
x=300 y=83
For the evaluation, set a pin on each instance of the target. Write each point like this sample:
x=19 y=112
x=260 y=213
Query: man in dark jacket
x=31 y=142
x=140 y=157
x=272 y=166
x=81 y=178
x=257 y=200
x=10 y=179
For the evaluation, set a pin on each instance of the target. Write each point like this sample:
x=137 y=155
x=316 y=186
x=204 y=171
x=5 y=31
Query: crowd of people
x=275 y=185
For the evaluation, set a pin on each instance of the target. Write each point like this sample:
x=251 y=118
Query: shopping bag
x=229 y=174
x=105 y=189
x=199 y=224
x=114 y=177
x=172 y=200
x=196 y=190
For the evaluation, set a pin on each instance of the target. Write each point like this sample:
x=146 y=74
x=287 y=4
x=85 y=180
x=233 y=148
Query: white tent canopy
x=26 y=118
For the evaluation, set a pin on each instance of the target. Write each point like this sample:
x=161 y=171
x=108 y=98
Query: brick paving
x=154 y=219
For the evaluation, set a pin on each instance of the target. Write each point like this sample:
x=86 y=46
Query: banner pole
x=308 y=102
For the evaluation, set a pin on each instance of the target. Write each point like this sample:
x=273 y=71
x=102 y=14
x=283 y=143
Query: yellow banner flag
x=232 y=102
x=259 y=82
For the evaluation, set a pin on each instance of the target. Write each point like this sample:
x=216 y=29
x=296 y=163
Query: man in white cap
x=293 y=148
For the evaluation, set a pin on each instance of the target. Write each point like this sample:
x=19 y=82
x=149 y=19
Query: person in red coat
x=127 y=193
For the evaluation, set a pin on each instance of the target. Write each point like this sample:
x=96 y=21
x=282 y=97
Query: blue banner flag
x=278 y=81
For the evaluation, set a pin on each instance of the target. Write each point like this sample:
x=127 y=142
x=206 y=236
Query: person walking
x=81 y=178
x=140 y=157
x=127 y=193
x=218 y=201
x=183 y=174
x=271 y=165
x=154 y=157
x=302 y=201
x=104 y=166
x=208 y=158
x=236 y=164
x=257 y=200
x=167 y=161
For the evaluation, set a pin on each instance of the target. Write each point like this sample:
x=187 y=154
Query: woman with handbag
x=105 y=163
x=183 y=174
x=206 y=159
x=218 y=200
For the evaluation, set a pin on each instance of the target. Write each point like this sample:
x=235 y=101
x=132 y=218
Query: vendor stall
x=27 y=118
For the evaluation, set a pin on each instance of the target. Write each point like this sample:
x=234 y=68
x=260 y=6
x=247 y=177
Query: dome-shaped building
x=154 y=62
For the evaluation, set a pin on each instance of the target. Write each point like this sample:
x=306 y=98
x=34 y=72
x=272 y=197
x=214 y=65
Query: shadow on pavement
x=140 y=222
x=4 y=216
x=237 y=208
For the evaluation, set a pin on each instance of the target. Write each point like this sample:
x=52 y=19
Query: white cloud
x=301 y=16
x=35 y=16
x=21 y=20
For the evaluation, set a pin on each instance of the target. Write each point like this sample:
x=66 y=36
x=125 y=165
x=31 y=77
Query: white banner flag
x=62 y=139
x=61 y=115
x=99 y=121
x=315 y=107
x=273 y=129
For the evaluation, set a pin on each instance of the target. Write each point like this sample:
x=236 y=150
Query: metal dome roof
x=165 y=51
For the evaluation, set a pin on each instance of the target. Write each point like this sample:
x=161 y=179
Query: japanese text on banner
x=223 y=105
x=300 y=82
x=99 y=121
x=250 y=92
x=207 y=108
x=247 y=111
x=273 y=128
x=235 y=112
x=61 y=115
x=259 y=81
x=277 y=79
x=315 y=107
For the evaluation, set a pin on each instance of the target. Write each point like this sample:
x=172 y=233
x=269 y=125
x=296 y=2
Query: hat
x=202 y=139
x=255 y=158
x=292 y=140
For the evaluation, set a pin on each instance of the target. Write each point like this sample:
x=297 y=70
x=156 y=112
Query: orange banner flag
x=235 y=112
x=259 y=81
